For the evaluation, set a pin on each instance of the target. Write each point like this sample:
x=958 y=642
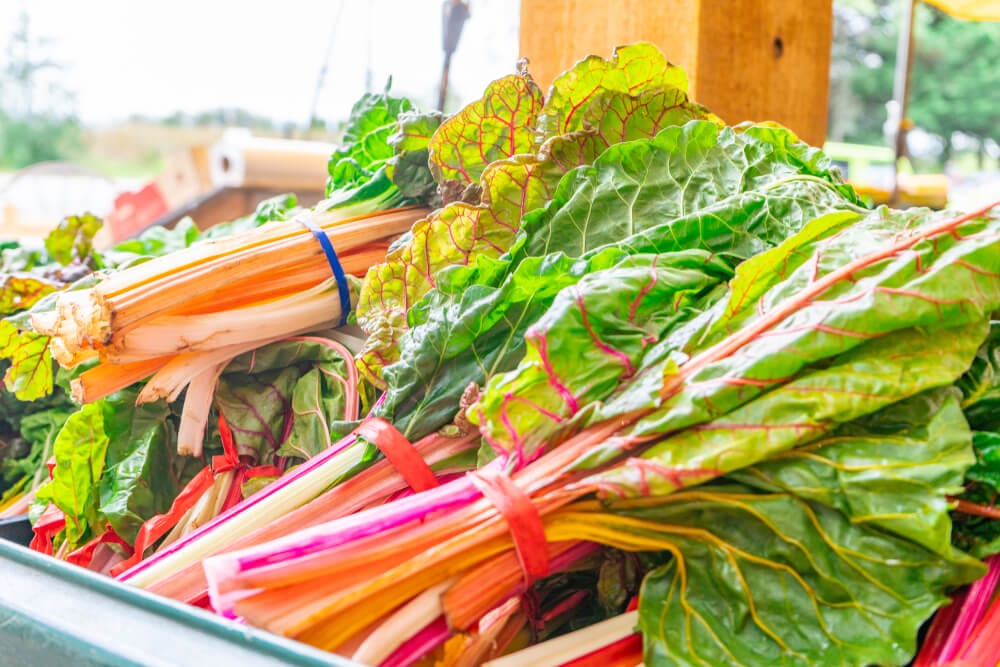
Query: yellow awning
x=970 y=10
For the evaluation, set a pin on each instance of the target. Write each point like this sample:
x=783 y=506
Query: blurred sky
x=154 y=58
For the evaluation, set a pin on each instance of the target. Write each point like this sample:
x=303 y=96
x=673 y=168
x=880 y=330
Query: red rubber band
x=523 y=521
x=400 y=452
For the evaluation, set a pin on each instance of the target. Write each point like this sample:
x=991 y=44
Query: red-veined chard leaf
x=73 y=240
x=283 y=399
x=499 y=125
x=30 y=373
x=509 y=188
x=631 y=69
x=811 y=354
x=592 y=336
x=469 y=328
x=830 y=554
x=19 y=291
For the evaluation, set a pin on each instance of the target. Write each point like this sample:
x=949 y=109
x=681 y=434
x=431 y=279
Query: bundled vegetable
x=182 y=320
x=653 y=389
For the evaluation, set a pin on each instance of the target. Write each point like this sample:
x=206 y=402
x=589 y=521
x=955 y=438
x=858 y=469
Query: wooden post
x=746 y=59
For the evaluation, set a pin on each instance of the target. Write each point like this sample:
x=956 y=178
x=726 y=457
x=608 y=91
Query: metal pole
x=454 y=13
x=901 y=89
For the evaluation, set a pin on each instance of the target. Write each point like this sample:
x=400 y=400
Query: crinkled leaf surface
x=365 y=142
x=592 y=337
x=499 y=125
x=469 y=329
x=641 y=184
x=771 y=578
x=283 y=399
x=892 y=470
x=510 y=188
x=630 y=69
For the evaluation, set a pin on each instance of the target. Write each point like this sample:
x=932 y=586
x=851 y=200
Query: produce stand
x=55 y=613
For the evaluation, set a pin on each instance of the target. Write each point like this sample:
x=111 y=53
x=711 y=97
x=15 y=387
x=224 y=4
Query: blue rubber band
x=334 y=262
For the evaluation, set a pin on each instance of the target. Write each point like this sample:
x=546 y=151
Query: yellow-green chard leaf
x=834 y=553
x=515 y=173
x=499 y=125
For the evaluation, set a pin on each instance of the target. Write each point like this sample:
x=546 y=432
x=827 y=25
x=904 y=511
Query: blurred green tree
x=34 y=127
x=954 y=81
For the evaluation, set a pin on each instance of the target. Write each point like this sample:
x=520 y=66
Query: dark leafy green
x=981 y=384
x=142 y=473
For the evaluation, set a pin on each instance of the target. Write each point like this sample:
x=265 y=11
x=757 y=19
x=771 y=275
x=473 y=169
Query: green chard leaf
x=981 y=384
x=80 y=449
x=978 y=535
x=73 y=240
x=583 y=346
x=39 y=429
x=284 y=399
x=319 y=402
x=275 y=209
x=682 y=170
x=143 y=472
x=851 y=340
x=467 y=330
x=892 y=470
x=834 y=553
x=365 y=143
x=771 y=578
x=408 y=168
x=473 y=325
